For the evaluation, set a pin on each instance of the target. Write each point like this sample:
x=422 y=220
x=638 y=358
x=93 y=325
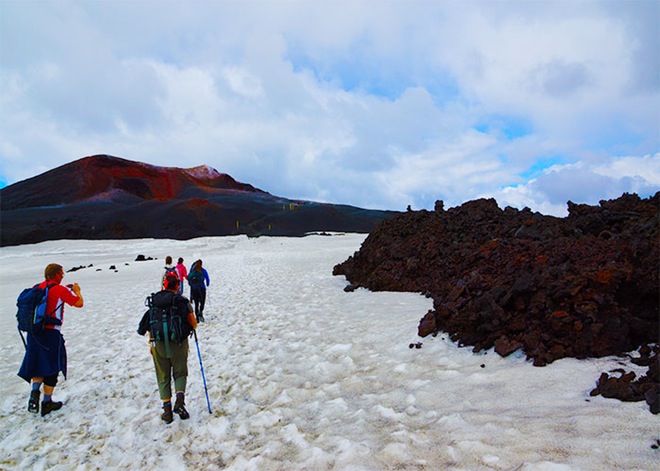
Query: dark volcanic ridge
x=581 y=286
x=105 y=197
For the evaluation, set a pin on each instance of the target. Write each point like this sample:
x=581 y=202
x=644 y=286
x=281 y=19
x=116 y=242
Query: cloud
x=376 y=104
x=583 y=183
x=560 y=79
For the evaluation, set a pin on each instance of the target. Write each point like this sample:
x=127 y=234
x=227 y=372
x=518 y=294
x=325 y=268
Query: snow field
x=300 y=374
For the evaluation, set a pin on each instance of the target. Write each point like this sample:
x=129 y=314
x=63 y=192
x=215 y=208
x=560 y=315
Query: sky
x=374 y=103
x=300 y=375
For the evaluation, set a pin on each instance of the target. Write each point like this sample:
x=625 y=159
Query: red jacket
x=57 y=296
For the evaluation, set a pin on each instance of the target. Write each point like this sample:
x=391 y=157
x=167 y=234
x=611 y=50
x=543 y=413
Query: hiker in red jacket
x=168 y=270
x=45 y=354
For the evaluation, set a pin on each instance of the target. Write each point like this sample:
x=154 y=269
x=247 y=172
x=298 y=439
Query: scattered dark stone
x=627 y=388
x=582 y=286
x=427 y=324
x=505 y=347
x=112 y=267
x=142 y=258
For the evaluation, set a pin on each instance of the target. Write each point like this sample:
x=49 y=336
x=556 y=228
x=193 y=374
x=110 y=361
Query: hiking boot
x=167 y=413
x=201 y=317
x=33 y=403
x=179 y=407
x=48 y=407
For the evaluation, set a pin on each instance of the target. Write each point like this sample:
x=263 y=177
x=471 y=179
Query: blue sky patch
x=510 y=127
x=541 y=165
x=365 y=72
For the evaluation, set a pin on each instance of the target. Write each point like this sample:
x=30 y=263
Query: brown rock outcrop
x=581 y=286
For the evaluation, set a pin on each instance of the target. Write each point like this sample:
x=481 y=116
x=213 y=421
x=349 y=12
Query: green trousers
x=176 y=366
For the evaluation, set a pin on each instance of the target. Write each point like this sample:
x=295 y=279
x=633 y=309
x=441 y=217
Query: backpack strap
x=166 y=333
x=23 y=339
x=48 y=315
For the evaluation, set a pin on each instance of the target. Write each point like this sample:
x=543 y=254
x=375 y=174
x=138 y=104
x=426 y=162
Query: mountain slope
x=105 y=197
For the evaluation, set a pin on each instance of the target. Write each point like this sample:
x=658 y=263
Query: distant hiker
x=198 y=279
x=45 y=353
x=169 y=321
x=183 y=274
x=169 y=270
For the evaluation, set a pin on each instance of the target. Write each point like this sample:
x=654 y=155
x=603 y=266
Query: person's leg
x=163 y=368
x=196 y=299
x=196 y=303
x=35 y=393
x=180 y=367
x=202 y=296
x=48 y=405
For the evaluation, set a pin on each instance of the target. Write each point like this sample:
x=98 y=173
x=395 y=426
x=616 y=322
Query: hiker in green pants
x=170 y=320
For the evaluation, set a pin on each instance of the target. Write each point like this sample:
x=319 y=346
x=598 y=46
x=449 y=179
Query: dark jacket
x=165 y=299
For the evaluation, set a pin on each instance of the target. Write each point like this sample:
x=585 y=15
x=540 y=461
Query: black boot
x=33 y=403
x=48 y=406
x=167 y=413
x=179 y=407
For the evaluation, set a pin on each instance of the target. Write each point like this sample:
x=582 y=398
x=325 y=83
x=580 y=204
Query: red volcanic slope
x=101 y=177
x=104 y=197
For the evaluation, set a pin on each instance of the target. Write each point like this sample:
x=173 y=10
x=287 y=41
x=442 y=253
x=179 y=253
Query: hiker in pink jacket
x=183 y=274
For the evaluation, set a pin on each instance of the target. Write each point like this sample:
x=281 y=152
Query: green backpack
x=196 y=279
x=165 y=324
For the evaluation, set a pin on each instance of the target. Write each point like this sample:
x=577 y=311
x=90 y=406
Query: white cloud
x=583 y=183
x=646 y=168
x=376 y=104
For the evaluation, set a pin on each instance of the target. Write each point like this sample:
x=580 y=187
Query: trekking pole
x=23 y=339
x=199 y=355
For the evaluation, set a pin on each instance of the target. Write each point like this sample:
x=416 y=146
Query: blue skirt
x=45 y=355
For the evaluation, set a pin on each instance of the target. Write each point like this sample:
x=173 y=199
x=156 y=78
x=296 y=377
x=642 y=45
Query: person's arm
x=76 y=291
x=192 y=320
x=143 y=326
x=206 y=277
x=69 y=294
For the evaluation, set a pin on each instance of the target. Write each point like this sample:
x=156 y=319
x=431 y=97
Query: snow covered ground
x=301 y=375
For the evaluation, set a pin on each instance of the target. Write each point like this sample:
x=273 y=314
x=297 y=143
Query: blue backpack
x=31 y=315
